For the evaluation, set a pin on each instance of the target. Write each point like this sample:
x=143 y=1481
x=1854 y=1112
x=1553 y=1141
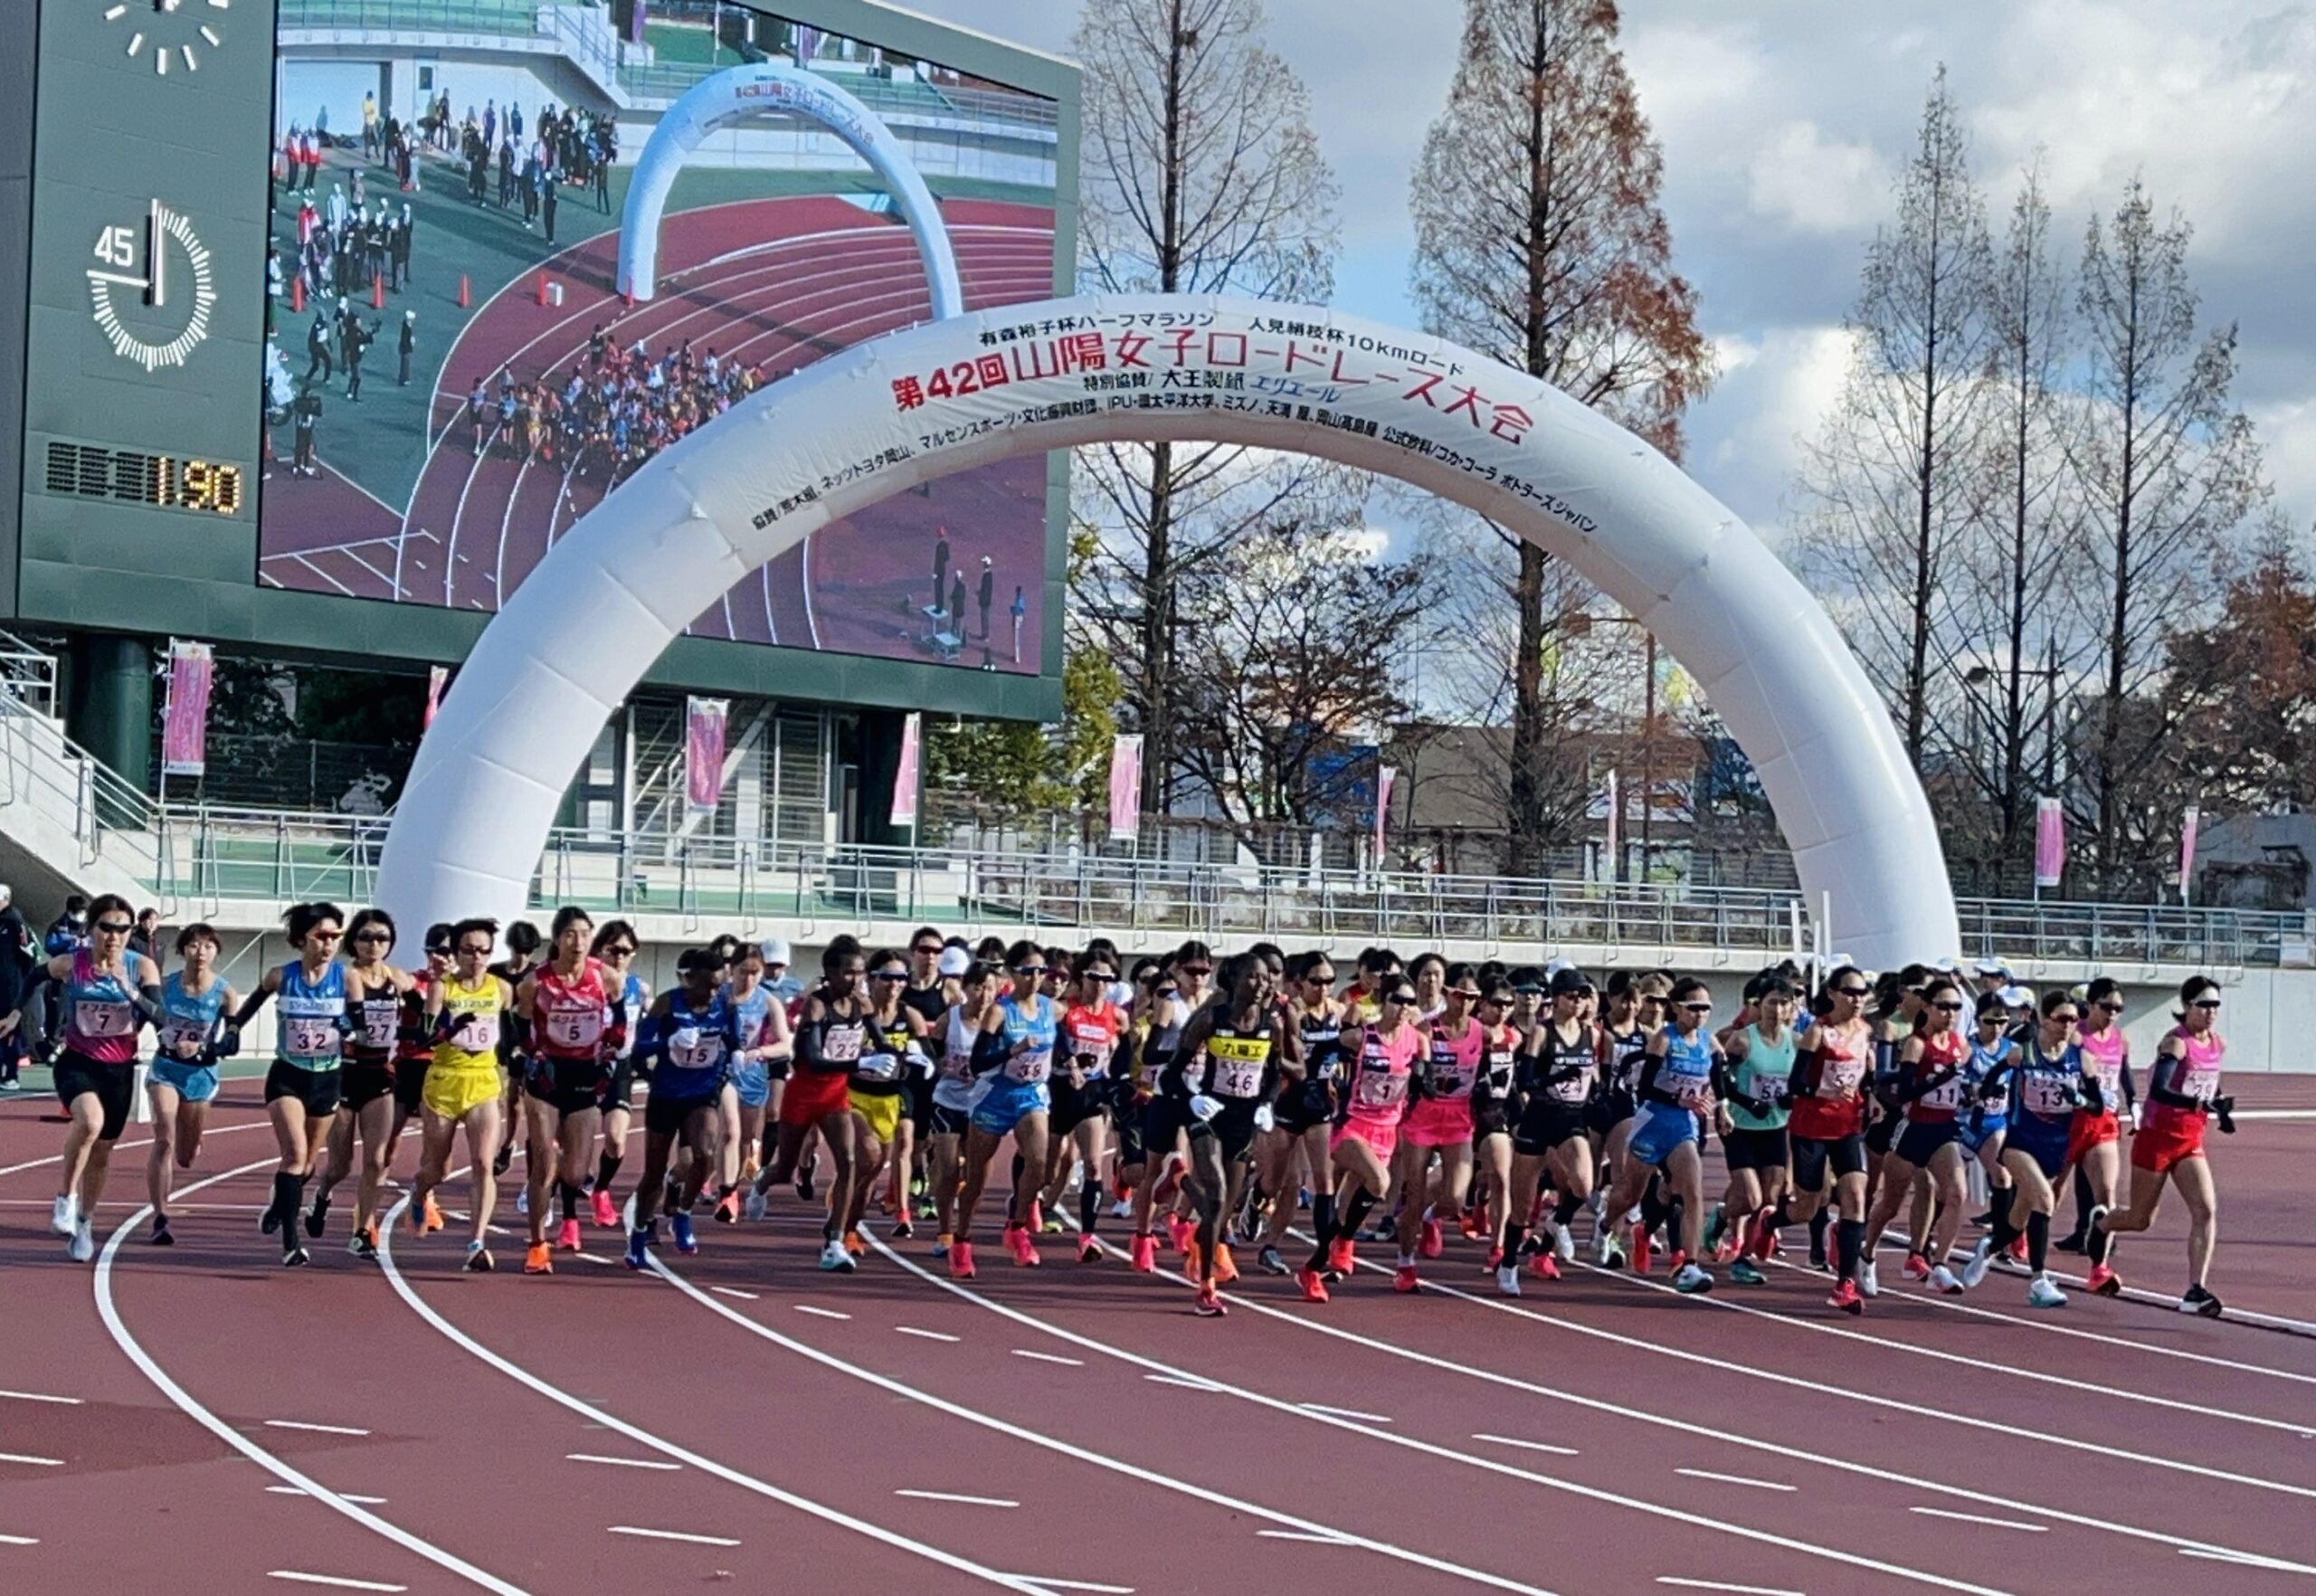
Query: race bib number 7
x=94 y=1017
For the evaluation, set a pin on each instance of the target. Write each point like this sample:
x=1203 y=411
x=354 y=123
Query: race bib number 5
x=574 y=1028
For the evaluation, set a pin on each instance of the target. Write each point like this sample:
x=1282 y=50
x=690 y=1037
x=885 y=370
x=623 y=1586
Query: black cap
x=1527 y=978
x=695 y=959
x=1570 y=981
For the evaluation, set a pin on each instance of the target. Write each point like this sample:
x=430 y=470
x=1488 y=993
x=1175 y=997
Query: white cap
x=2017 y=997
x=1943 y=967
x=7 y=895
x=1555 y=966
x=775 y=951
x=1841 y=961
x=1991 y=967
x=955 y=961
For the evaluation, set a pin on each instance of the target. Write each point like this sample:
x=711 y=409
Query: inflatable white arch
x=860 y=426
x=743 y=91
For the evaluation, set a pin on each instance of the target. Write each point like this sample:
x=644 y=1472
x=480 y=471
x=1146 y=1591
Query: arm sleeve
x=990 y=1047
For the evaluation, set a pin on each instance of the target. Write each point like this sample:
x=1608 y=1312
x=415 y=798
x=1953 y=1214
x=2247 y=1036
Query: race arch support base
x=579 y=633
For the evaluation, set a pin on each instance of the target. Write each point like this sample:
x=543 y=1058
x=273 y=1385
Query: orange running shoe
x=854 y=1245
x=1848 y=1297
x=1544 y=1266
x=1226 y=1268
x=1474 y=1223
x=434 y=1214
x=1433 y=1241
x=539 y=1259
x=1191 y=1259
x=727 y=1208
x=1644 y=1250
x=1314 y=1289
x=961 y=1260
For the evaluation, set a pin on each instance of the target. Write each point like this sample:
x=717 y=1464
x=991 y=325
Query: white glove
x=1265 y=1120
x=917 y=1061
x=685 y=1040
x=1204 y=1108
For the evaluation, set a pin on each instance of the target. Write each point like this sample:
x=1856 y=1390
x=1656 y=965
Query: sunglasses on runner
x=2108 y=1006
x=1948 y=1008
x=1320 y=978
x=440 y=950
x=1697 y=1007
x=891 y=976
x=931 y=950
x=482 y=950
x=1198 y=969
x=617 y=950
x=374 y=936
x=115 y=927
x=2204 y=1003
x=312 y=936
x=2068 y=1018
x=1855 y=992
x=1028 y=969
x=1401 y=998
x=1470 y=994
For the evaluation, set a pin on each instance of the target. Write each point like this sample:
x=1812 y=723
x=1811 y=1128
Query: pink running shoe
x=605 y=1215
x=1433 y=1241
x=567 y=1237
x=1917 y=1267
x=1144 y=1252
x=1181 y=1232
x=2104 y=1281
x=961 y=1260
x=1404 y=1280
x=1025 y=1251
x=1545 y=1266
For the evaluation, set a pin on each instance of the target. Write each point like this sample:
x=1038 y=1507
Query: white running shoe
x=1596 y=1201
x=1691 y=1278
x=523 y=1200
x=1563 y=1242
x=1123 y=1209
x=756 y=1204
x=1605 y=1246
x=64 y=1217
x=84 y=1246
x=1507 y=1281
x=1981 y=1260
x=1866 y=1282
x=1942 y=1279
x=835 y=1258
x=2044 y=1293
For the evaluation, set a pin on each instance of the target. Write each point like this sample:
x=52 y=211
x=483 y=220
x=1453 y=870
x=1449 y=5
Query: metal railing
x=27 y=675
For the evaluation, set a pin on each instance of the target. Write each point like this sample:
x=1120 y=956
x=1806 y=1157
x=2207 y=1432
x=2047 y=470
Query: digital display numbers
x=167 y=481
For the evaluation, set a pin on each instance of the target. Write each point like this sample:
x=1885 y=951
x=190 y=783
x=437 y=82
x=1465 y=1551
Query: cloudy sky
x=1782 y=122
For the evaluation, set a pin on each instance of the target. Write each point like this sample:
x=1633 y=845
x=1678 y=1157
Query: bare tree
x=1887 y=494
x=1201 y=174
x=2170 y=470
x=1541 y=240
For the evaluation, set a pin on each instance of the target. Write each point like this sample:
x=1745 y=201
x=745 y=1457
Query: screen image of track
x=456 y=373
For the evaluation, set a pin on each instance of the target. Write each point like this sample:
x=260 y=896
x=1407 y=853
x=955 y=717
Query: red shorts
x=813 y=1095
x=2166 y=1141
x=2088 y=1131
x=1382 y=1136
x=1435 y=1122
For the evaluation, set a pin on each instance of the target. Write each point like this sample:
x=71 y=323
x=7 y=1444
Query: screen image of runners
x=453 y=376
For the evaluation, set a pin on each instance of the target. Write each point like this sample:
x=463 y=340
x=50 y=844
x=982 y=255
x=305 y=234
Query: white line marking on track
x=1737 y=1479
x=316 y=1428
x=730 y=1475
x=1722 y=1585
x=952 y=1496
x=184 y=1403
x=2301 y=1327
x=2247 y=1559
x=818 y=1312
x=19 y=1540
x=990 y=1421
x=1514 y=1440
x=734 y=1291
x=1023 y=1352
x=1344 y=1413
x=661 y=1534
x=294 y=1491
x=1981 y=1518
x=921 y=1334
x=1178 y=1380
x=28 y=1459
x=620 y=1462
x=35 y=1396
x=333 y=1581
x=1300 y=1536
x=120 y=1147
x=1082 y=1585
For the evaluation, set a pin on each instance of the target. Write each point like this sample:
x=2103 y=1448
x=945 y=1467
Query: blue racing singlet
x=189 y=1017
x=1684 y=1075
x=313 y=1017
x=2042 y=1094
x=690 y=1073
x=1040 y=1026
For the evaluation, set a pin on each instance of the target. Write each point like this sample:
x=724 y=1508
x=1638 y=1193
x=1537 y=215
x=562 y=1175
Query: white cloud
x=2287 y=431
x=1746 y=439
x=1816 y=184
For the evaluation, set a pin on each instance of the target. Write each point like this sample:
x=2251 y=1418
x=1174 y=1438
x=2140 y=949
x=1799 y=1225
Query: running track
x=774 y=282
x=416 y=1428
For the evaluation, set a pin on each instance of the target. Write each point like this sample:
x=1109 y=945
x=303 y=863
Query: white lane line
x=26 y=1458
x=183 y=1401
x=294 y=1491
x=2244 y=1559
x=921 y=1334
x=1514 y=1440
x=314 y=1429
x=1023 y=1352
x=2015 y=1523
x=644 y=1437
x=1082 y=1585
x=1723 y=1585
x=661 y=1534
x=1344 y=1413
x=620 y=1462
x=1098 y=1460
x=1736 y=1479
x=952 y=1496
x=1185 y=1384
x=735 y=1292
x=19 y=1540
x=818 y=1312
x=335 y=1581
x=1300 y=1536
x=38 y=1396
x=120 y=1147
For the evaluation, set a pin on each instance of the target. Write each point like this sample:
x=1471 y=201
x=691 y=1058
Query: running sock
x=2084 y=1201
x=606 y=1168
x=1355 y=1211
x=2038 y=1240
x=2096 y=1243
x=289 y=1196
x=2006 y=1232
x=569 y=1195
x=1514 y=1233
x=1323 y=1215
x=1089 y=1206
x=1819 y=1223
x=1850 y=1236
x=1784 y=1215
x=1565 y=1210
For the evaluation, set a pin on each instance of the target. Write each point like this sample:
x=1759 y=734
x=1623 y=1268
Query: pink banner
x=905 y=772
x=1384 y=777
x=704 y=753
x=435 y=678
x=2050 y=842
x=2189 y=823
x=185 y=728
x=1125 y=788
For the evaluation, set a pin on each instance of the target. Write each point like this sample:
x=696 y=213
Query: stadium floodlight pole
x=578 y=637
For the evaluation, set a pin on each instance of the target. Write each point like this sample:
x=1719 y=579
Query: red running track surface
x=806 y=1431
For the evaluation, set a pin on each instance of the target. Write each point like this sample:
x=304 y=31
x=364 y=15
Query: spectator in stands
x=309 y=158
x=147 y=938
x=19 y=959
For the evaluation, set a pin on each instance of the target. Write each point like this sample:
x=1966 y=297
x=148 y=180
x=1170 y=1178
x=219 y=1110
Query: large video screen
x=458 y=366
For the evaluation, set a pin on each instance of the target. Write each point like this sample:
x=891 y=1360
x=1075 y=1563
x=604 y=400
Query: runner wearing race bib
x=2094 y=1143
x=1560 y=1081
x=760 y=1064
x=956 y=1090
x=1295 y=1150
x=2042 y=1080
x=570 y=1010
x=1753 y=1127
x=895 y=1058
x=833 y=1033
x=2182 y=1097
x=615 y=946
x=1676 y=1094
x=468 y=1013
x=1013 y=1054
x=1091 y=1028
x=1930 y=1084
x=303 y=1087
x=375 y=994
x=1379 y=1059
x=1985 y=1116
x=1236 y=1053
x=1495 y=1108
x=1439 y=1124
x=194 y=1000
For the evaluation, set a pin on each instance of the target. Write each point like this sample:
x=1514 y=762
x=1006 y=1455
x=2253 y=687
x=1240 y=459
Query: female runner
x=762 y=1022
x=570 y=1006
x=1676 y=1090
x=2182 y=1097
x=1015 y=1052
x=109 y=993
x=1635 y=1013
x=1438 y=1122
x=375 y=995
x=1826 y=1126
x=303 y=1087
x=1180 y=991
x=468 y=1013
x=833 y=1031
x=184 y=1079
x=879 y=1090
x=1091 y=1028
x=1302 y=1115
x=1931 y=1066
x=1752 y=1124
x=1430 y=973
x=1985 y=1115
x=1495 y=1108
x=615 y=947
x=2042 y=1080
x=954 y=1093
x=1237 y=1057
x=414 y=1053
x=1379 y=1059
x=2095 y=1145
x=688 y=1039
x=1561 y=1070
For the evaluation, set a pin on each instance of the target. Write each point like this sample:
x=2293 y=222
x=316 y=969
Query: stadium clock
x=169 y=34
x=181 y=297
